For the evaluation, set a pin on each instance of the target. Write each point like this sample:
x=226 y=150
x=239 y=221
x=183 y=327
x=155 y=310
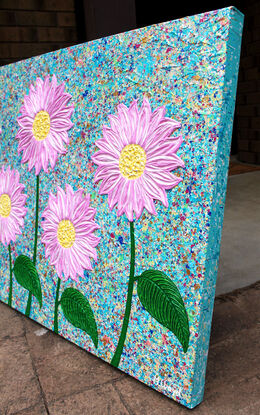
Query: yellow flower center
x=5 y=205
x=132 y=161
x=66 y=233
x=41 y=125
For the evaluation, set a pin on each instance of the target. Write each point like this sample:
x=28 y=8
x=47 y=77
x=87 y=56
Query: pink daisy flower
x=68 y=228
x=135 y=159
x=44 y=122
x=12 y=205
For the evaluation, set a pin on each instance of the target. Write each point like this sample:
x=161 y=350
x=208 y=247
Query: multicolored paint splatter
x=190 y=67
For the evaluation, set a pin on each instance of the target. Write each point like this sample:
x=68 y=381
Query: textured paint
x=190 y=66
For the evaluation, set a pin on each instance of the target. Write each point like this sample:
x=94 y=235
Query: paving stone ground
x=41 y=373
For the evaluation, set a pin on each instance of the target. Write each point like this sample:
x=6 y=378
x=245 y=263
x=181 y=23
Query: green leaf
x=27 y=276
x=78 y=312
x=161 y=298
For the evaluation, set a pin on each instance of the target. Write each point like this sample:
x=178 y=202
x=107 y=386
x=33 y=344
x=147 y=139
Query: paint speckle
x=187 y=66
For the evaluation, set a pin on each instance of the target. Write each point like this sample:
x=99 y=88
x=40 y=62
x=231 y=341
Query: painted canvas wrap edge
x=193 y=394
x=218 y=202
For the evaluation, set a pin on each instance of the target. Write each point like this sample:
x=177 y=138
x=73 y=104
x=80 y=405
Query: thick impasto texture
x=129 y=137
x=68 y=236
x=12 y=205
x=135 y=160
x=137 y=154
x=44 y=122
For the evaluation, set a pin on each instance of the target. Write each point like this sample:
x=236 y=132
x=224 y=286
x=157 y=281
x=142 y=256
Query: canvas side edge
x=218 y=202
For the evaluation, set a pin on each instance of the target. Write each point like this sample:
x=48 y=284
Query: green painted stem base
x=117 y=356
x=11 y=278
x=29 y=302
x=56 y=324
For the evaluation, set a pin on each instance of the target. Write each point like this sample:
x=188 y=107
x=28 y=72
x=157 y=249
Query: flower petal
x=47 y=96
x=10 y=226
x=68 y=205
x=152 y=131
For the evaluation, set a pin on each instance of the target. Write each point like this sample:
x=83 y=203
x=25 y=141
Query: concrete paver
x=229 y=319
x=230 y=397
x=38 y=409
x=19 y=387
x=62 y=369
x=41 y=373
x=11 y=324
x=234 y=359
x=99 y=401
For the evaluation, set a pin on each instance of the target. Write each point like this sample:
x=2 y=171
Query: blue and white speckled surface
x=190 y=66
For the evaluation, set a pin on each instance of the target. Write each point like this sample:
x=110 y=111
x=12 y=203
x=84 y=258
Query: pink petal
x=153 y=132
x=100 y=157
x=69 y=205
x=47 y=96
x=144 y=122
x=10 y=227
x=165 y=179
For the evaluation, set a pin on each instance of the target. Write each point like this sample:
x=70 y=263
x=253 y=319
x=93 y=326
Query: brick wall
x=33 y=27
x=248 y=94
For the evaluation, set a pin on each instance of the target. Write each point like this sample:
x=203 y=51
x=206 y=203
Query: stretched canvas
x=113 y=168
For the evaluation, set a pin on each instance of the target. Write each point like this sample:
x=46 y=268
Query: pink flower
x=135 y=159
x=12 y=201
x=68 y=228
x=44 y=122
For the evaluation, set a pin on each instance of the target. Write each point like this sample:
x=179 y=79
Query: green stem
x=56 y=327
x=28 y=307
x=117 y=356
x=11 y=277
x=36 y=219
x=29 y=302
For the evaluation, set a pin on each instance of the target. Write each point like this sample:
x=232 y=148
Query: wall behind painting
x=33 y=27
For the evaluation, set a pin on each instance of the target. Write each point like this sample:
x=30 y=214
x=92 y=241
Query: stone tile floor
x=238 y=167
x=239 y=261
x=41 y=373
